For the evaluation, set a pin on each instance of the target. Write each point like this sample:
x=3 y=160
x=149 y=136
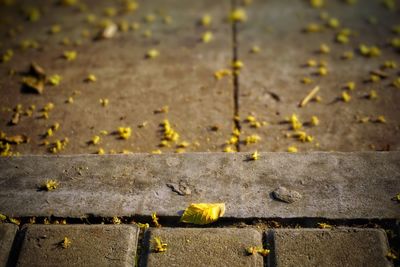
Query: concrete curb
x=332 y=185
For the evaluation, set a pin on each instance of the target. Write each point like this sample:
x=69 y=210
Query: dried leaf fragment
x=55 y=79
x=15 y=118
x=124 y=132
x=15 y=139
x=391 y=255
x=33 y=84
x=70 y=55
x=254 y=156
x=14 y=221
x=345 y=97
x=116 y=220
x=159 y=246
x=238 y=15
x=206 y=37
x=219 y=74
x=37 y=71
x=50 y=185
x=324 y=226
x=152 y=53
x=95 y=140
x=91 y=78
x=254 y=250
x=142 y=225
x=65 y=243
x=154 y=218
x=206 y=20
x=203 y=213
x=317 y=3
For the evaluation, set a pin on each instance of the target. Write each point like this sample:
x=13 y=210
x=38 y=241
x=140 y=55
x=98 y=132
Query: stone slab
x=91 y=245
x=181 y=77
x=332 y=185
x=203 y=247
x=277 y=28
x=320 y=247
x=7 y=235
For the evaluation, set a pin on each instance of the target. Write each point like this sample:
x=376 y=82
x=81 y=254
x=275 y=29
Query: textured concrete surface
x=7 y=234
x=338 y=247
x=277 y=28
x=181 y=77
x=203 y=247
x=332 y=185
x=91 y=245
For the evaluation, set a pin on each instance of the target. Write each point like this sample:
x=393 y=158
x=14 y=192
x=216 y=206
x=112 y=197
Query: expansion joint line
x=235 y=76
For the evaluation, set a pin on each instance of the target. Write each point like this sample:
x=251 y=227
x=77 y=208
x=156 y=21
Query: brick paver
x=319 y=247
x=90 y=245
x=7 y=234
x=203 y=247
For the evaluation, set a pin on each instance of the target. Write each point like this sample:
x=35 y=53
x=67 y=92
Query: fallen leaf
x=159 y=246
x=155 y=219
x=33 y=84
x=203 y=213
x=15 y=118
x=16 y=139
x=50 y=185
x=37 y=71
x=254 y=250
x=66 y=243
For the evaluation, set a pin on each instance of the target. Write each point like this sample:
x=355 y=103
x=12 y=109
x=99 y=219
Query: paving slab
x=270 y=82
x=331 y=185
x=181 y=77
x=202 y=247
x=7 y=234
x=90 y=245
x=336 y=247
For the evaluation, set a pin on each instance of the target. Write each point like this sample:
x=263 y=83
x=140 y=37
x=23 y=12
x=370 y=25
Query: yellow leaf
x=324 y=226
x=66 y=243
x=391 y=255
x=155 y=219
x=14 y=221
x=254 y=250
x=159 y=246
x=143 y=225
x=50 y=185
x=203 y=213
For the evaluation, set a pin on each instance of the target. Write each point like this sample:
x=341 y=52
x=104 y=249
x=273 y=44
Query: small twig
x=309 y=96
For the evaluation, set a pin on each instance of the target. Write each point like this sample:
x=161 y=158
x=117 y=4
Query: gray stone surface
x=331 y=248
x=91 y=245
x=333 y=185
x=181 y=77
x=203 y=247
x=277 y=26
x=7 y=234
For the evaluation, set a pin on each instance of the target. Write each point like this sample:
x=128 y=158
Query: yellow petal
x=203 y=213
